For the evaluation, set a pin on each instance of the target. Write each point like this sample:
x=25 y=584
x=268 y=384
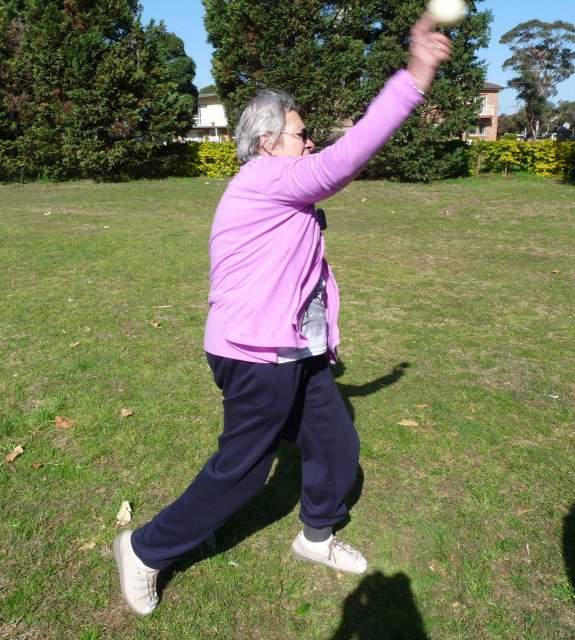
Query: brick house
x=486 y=127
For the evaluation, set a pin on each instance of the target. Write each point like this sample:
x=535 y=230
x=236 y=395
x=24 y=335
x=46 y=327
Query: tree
x=304 y=47
x=566 y=112
x=514 y=123
x=542 y=58
x=88 y=91
x=333 y=57
x=428 y=146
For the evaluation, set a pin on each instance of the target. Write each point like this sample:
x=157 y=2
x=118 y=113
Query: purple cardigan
x=266 y=248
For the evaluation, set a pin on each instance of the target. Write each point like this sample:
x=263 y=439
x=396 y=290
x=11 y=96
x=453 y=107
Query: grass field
x=457 y=364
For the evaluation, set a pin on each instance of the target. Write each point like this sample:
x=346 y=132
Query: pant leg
x=258 y=398
x=330 y=449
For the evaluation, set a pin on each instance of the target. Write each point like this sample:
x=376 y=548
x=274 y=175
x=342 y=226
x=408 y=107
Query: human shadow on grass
x=381 y=608
x=569 y=545
x=360 y=390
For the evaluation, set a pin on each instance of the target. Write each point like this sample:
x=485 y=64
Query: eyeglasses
x=303 y=134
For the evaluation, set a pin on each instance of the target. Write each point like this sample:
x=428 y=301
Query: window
x=477 y=130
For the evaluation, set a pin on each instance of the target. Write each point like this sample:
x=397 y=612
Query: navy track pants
x=263 y=403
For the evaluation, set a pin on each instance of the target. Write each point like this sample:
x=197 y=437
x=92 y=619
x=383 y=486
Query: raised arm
x=318 y=176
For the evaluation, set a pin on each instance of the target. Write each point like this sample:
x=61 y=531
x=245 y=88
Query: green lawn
x=457 y=316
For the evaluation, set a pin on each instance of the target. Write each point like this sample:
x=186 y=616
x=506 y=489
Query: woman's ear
x=267 y=147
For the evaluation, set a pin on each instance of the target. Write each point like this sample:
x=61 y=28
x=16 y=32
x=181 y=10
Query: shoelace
x=337 y=543
x=150 y=578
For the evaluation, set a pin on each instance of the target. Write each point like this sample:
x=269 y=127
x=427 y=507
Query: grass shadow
x=569 y=545
x=352 y=391
x=381 y=608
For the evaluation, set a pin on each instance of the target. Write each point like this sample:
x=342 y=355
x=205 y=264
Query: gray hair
x=265 y=114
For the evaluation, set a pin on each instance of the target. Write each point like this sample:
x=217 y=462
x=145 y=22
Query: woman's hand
x=428 y=49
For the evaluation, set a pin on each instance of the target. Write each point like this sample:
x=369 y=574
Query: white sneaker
x=333 y=553
x=138 y=582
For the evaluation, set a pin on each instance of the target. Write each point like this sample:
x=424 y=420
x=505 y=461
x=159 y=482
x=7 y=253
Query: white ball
x=447 y=12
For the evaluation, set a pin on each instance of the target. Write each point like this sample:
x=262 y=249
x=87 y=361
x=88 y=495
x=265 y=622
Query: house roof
x=491 y=86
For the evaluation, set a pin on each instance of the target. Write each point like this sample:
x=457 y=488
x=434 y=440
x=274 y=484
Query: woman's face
x=293 y=140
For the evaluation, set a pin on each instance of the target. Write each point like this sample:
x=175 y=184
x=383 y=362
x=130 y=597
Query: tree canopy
x=543 y=55
x=333 y=57
x=86 y=90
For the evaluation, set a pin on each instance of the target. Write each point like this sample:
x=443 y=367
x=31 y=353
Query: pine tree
x=89 y=91
x=428 y=146
x=333 y=57
x=304 y=47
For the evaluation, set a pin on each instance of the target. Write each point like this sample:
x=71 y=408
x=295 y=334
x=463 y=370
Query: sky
x=185 y=18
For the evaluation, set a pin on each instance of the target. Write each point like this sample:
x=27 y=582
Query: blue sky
x=186 y=19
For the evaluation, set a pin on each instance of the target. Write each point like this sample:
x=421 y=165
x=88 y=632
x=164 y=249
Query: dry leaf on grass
x=18 y=451
x=63 y=423
x=124 y=515
x=87 y=547
x=156 y=324
x=556 y=271
x=36 y=465
x=421 y=405
x=126 y=413
x=408 y=423
x=73 y=345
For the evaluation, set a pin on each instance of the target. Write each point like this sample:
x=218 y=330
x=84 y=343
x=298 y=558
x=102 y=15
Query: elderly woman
x=272 y=330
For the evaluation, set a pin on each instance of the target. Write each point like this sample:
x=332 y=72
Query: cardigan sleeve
x=309 y=179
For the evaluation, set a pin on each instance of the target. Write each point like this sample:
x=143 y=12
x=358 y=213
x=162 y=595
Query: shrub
x=210 y=159
x=408 y=162
x=546 y=158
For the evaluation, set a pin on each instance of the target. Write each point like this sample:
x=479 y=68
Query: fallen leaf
x=421 y=405
x=18 y=451
x=87 y=547
x=556 y=271
x=63 y=423
x=408 y=423
x=233 y=564
x=521 y=511
x=125 y=514
x=156 y=324
x=36 y=465
x=73 y=345
x=302 y=609
x=126 y=413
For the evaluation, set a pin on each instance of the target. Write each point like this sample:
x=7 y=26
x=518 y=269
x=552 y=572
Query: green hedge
x=546 y=158
x=210 y=159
